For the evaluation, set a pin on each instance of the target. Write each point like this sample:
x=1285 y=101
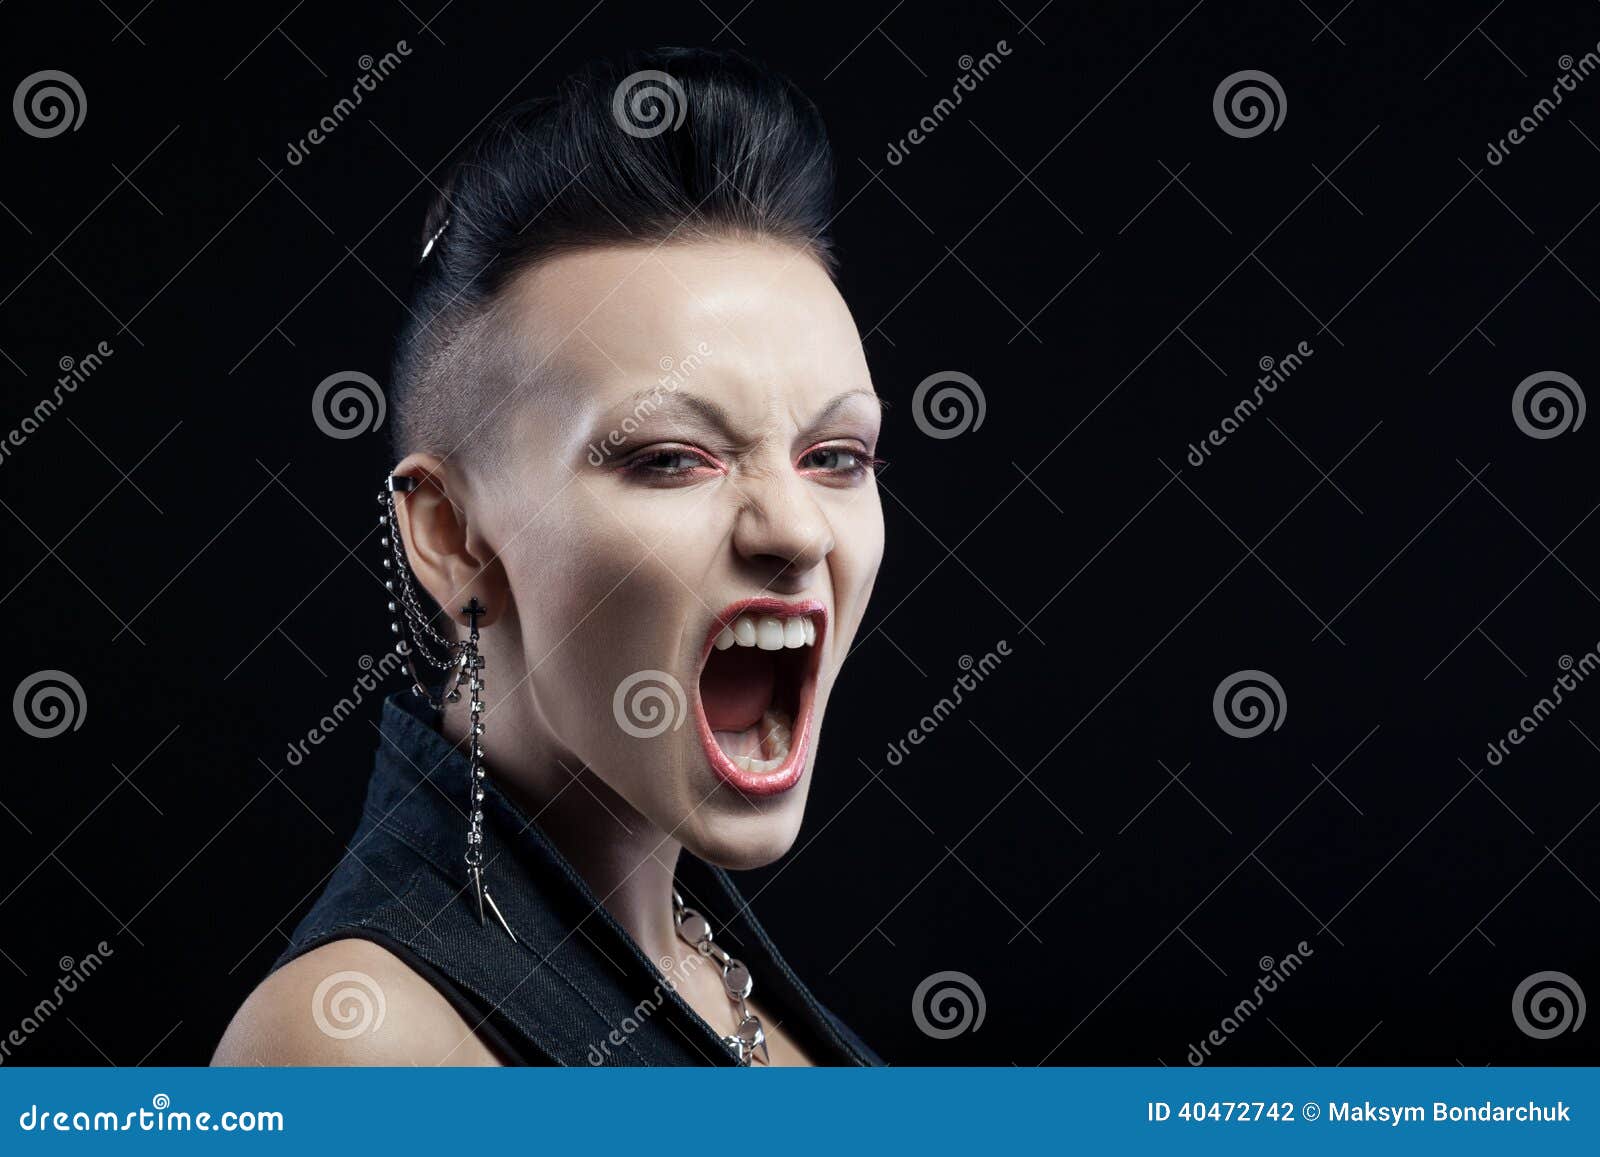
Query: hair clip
x=428 y=248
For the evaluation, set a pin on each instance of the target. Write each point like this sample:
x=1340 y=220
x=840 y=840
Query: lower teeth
x=776 y=734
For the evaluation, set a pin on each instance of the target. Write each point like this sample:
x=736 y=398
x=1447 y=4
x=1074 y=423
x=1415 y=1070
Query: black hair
x=652 y=147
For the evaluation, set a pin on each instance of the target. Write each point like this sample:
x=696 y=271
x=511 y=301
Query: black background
x=1083 y=239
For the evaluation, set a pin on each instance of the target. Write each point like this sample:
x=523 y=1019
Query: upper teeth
x=767 y=632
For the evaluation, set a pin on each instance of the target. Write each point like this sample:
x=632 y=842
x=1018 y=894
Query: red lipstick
x=795 y=683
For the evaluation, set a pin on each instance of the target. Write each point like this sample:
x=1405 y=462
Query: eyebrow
x=715 y=415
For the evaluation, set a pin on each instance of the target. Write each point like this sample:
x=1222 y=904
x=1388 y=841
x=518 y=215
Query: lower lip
x=789 y=773
x=760 y=782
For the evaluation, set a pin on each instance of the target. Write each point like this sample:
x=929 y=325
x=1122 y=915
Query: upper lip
x=767 y=605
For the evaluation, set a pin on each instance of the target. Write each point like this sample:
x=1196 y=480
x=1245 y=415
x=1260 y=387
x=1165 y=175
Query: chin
x=741 y=842
x=737 y=830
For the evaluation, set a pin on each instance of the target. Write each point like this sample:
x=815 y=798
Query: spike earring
x=462 y=666
x=472 y=672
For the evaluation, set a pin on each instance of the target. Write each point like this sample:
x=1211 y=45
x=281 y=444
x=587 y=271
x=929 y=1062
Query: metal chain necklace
x=749 y=1040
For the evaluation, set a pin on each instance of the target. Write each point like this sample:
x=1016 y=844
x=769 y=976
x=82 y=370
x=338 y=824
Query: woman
x=636 y=434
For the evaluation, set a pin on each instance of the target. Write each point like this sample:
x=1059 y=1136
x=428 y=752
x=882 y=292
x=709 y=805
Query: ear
x=446 y=546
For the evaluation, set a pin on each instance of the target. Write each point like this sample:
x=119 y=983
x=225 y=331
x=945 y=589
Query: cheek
x=601 y=596
x=858 y=552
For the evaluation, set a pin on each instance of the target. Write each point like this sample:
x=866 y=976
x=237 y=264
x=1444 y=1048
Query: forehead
x=754 y=324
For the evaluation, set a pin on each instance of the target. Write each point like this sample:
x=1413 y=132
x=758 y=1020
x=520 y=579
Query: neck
x=627 y=862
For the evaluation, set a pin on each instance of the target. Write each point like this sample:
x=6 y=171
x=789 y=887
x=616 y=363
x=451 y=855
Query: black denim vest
x=577 y=989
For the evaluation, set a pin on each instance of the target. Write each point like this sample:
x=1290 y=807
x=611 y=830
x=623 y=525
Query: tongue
x=736 y=687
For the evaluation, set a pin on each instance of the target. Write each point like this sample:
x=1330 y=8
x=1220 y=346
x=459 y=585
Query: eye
x=666 y=463
x=841 y=460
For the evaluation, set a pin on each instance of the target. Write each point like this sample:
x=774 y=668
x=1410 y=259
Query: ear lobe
x=448 y=554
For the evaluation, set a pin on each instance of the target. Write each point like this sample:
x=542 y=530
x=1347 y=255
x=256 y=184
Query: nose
x=782 y=534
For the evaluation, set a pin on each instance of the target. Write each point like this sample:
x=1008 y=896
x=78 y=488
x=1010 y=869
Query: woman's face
x=689 y=523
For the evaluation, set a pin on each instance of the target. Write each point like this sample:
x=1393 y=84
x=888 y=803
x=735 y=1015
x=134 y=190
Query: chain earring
x=461 y=664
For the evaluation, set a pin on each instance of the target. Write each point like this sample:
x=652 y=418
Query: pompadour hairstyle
x=676 y=144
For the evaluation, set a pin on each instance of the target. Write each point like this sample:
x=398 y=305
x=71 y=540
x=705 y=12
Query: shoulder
x=349 y=1002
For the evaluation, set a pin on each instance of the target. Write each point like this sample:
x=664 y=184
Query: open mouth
x=758 y=679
